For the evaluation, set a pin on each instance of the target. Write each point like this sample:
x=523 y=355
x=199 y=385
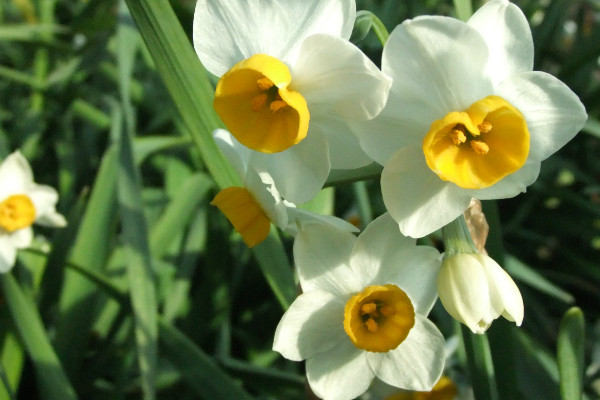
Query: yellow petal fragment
x=379 y=318
x=496 y=144
x=444 y=389
x=245 y=214
x=16 y=212
x=258 y=108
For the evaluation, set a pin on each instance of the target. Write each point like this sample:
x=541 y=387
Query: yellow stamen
x=245 y=214
x=497 y=138
x=241 y=99
x=16 y=212
x=480 y=147
x=379 y=318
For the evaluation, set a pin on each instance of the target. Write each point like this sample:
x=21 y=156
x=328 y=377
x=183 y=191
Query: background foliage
x=148 y=294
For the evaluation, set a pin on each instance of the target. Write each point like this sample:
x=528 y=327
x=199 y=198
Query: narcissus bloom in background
x=444 y=389
x=475 y=290
x=363 y=311
x=22 y=203
x=290 y=84
x=252 y=208
x=466 y=116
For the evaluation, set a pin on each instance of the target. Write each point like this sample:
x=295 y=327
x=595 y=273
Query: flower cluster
x=455 y=113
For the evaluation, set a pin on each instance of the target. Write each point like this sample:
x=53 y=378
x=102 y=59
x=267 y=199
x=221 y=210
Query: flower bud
x=475 y=290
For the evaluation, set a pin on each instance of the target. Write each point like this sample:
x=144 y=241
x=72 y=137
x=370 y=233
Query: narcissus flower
x=290 y=84
x=363 y=311
x=22 y=203
x=475 y=290
x=444 y=389
x=466 y=116
x=252 y=208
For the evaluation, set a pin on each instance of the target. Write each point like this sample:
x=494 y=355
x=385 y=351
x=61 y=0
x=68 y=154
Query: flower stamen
x=480 y=147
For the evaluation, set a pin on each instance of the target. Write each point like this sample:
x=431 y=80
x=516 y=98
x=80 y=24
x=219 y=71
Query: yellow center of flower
x=379 y=318
x=245 y=214
x=476 y=148
x=258 y=108
x=16 y=212
x=444 y=389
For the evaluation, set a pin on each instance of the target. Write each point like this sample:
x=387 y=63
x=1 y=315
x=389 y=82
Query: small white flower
x=466 y=116
x=252 y=208
x=363 y=311
x=22 y=203
x=290 y=85
x=475 y=290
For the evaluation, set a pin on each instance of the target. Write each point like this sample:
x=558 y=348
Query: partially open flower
x=22 y=203
x=363 y=313
x=475 y=290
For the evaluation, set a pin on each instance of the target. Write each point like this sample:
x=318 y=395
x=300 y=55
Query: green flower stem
x=380 y=30
x=480 y=365
x=457 y=238
x=463 y=9
x=364 y=204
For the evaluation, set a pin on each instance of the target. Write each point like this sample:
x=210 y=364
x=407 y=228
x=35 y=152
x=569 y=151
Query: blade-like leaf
x=570 y=352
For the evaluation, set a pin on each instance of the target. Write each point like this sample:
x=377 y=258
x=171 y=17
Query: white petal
x=336 y=78
x=512 y=185
x=313 y=324
x=506 y=31
x=416 y=197
x=464 y=292
x=298 y=216
x=553 y=112
x=8 y=254
x=342 y=373
x=322 y=255
x=378 y=249
x=21 y=238
x=504 y=293
x=344 y=149
x=15 y=175
x=226 y=32
x=262 y=187
x=235 y=152
x=44 y=199
x=300 y=171
x=417 y=363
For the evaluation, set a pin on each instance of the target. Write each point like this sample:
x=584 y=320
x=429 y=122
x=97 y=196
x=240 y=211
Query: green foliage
x=148 y=294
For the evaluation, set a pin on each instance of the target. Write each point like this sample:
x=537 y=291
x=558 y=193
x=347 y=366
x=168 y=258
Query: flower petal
x=504 y=293
x=15 y=175
x=21 y=238
x=345 y=151
x=377 y=249
x=44 y=199
x=511 y=185
x=336 y=78
x=226 y=32
x=235 y=152
x=322 y=255
x=416 y=197
x=417 y=363
x=300 y=171
x=553 y=112
x=506 y=32
x=341 y=373
x=313 y=324
x=298 y=217
x=262 y=187
x=8 y=254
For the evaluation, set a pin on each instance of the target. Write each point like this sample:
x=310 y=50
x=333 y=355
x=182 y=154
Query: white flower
x=252 y=208
x=466 y=116
x=290 y=80
x=363 y=311
x=22 y=203
x=475 y=290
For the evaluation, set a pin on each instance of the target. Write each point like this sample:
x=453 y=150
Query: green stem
x=463 y=9
x=480 y=365
x=457 y=238
x=364 y=204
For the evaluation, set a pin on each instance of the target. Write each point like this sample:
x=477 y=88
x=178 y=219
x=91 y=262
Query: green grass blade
x=570 y=352
x=198 y=369
x=52 y=380
x=135 y=234
x=179 y=212
x=481 y=368
x=185 y=78
x=11 y=354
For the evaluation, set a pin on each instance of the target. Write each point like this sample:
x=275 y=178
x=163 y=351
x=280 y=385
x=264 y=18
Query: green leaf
x=185 y=78
x=481 y=368
x=197 y=368
x=52 y=380
x=570 y=353
x=463 y=9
